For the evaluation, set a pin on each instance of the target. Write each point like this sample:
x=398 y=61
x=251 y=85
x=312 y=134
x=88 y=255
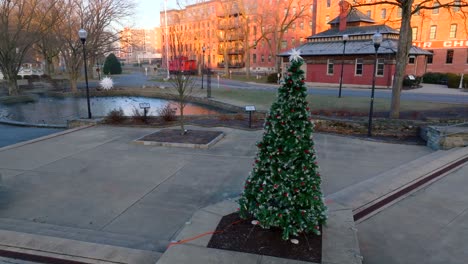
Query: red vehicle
x=183 y=64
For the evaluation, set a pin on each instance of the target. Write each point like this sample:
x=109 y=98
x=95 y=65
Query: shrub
x=112 y=65
x=223 y=117
x=115 y=116
x=167 y=113
x=272 y=78
x=453 y=80
x=239 y=116
x=137 y=116
x=435 y=78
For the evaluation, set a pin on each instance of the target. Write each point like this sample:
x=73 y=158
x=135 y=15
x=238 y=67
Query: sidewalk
x=95 y=185
x=430 y=226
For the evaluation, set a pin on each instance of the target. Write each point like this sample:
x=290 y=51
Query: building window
x=430 y=58
x=383 y=13
x=284 y=44
x=449 y=57
x=414 y=32
x=330 y=67
x=293 y=25
x=269 y=58
x=399 y=12
x=358 y=67
x=368 y=13
x=254 y=58
x=432 y=32
x=456 y=6
x=293 y=42
x=436 y=8
x=328 y=3
x=467 y=56
x=301 y=25
x=411 y=60
x=380 y=67
x=310 y=24
x=263 y=58
x=453 y=31
x=327 y=19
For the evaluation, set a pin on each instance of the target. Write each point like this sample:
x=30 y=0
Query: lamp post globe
x=83 y=34
x=377 y=39
x=345 y=39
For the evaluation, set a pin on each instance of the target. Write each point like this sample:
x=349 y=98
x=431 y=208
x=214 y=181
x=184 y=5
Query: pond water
x=48 y=110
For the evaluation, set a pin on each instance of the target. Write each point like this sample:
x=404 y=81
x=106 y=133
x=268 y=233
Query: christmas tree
x=283 y=189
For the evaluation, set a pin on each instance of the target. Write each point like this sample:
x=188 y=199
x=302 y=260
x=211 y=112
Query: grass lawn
x=253 y=78
x=263 y=99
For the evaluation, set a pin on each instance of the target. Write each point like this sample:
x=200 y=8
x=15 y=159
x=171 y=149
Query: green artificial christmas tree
x=283 y=189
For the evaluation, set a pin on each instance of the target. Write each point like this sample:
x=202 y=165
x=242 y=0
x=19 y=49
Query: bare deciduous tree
x=22 y=24
x=97 y=18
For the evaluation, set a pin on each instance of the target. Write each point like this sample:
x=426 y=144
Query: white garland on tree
x=107 y=83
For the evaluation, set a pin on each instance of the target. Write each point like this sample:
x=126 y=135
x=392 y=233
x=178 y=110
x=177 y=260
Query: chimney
x=344 y=7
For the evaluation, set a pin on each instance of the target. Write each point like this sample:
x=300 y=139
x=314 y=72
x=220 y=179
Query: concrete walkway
x=95 y=185
x=430 y=226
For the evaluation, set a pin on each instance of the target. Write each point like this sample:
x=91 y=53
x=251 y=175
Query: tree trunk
x=12 y=86
x=73 y=84
x=404 y=45
x=181 y=121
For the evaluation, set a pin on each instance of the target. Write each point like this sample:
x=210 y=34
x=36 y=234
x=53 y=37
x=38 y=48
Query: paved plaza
x=96 y=185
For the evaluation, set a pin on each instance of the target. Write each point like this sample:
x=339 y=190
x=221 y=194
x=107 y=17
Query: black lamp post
x=345 y=39
x=83 y=34
x=377 y=40
x=203 y=65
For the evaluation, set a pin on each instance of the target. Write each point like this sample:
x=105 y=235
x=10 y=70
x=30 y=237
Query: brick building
x=222 y=28
x=140 y=46
x=219 y=25
x=442 y=31
x=326 y=54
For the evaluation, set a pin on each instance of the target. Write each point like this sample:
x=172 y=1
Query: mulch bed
x=243 y=236
x=175 y=136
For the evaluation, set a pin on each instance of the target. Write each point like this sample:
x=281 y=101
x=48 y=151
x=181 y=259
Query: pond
x=48 y=110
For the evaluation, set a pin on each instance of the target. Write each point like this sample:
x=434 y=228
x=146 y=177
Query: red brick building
x=326 y=54
x=442 y=31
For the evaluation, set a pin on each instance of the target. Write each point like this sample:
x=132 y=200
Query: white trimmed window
x=380 y=67
x=330 y=64
x=358 y=67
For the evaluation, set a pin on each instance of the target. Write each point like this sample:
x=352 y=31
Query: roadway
x=138 y=79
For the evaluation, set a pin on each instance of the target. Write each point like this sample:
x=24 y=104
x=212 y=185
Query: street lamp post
x=203 y=65
x=83 y=34
x=376 y=40
x=345 y=39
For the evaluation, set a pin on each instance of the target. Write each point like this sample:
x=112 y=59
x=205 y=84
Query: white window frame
x=356 y=66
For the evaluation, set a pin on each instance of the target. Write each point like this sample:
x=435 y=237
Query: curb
x=54 y=250
x=339 y=241
x=24 y=124
x=375 y=194
x=180 y=145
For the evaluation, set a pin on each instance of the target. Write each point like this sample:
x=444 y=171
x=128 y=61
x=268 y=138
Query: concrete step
x=48 y=249
x=371 y=195
x=85 y=235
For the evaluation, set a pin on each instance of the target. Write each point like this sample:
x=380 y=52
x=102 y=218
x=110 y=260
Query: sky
x=147 y=12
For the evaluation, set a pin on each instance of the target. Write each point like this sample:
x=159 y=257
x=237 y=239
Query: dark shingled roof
x=354 y=15
x=364 y=30
x=357 y=47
